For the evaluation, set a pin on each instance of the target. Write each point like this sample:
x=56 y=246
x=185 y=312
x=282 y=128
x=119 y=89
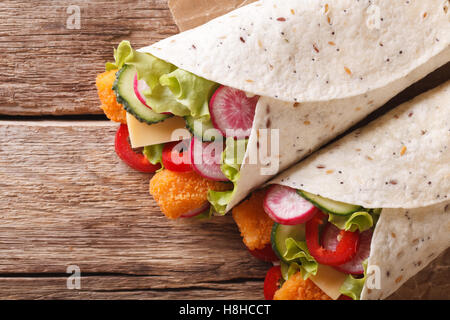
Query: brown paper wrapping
x=432 y=282
x=189 y=14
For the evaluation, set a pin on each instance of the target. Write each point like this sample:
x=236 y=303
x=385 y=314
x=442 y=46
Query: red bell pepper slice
x=265 y=254
x=135 y=160
x=176 y=157
x=345 y=250
x=272 y=282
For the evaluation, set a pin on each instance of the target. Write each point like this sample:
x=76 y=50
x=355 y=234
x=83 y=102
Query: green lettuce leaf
x=154 y=154
x=202 y=128
x=352 y=287
x=299 y=258
x=232 y=159
x=284 y=270
x=361 y=221
x=204 y=216
x=219 y=200
x=170 y=89
x=120 y=55
x=288 y=269
x=191 y=93
x=148 y=67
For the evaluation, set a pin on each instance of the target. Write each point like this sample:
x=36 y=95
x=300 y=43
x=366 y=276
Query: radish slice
x=139 y=87
x=196 y=212
x=206 y=158
x=285 y=206
x=232 y=112
x=354 y=266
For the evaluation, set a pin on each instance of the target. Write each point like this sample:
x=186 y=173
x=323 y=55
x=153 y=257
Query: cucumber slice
x=279 y=235
x=124 y=88
x=330 y=206
x=202 y=128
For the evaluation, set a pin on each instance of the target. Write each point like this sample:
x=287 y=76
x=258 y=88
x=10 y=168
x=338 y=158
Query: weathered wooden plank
x=422 y=286
x=430 y=283
x=50 y=69
x=66 y=199
x=107 y=287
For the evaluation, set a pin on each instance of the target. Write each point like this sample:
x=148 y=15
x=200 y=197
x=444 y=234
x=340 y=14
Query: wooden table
x=67 y=200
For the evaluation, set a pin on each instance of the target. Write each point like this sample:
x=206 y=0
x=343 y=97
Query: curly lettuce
x=148 y=67
x=154 y=154
x=232 y=159
x=299 y=258
x=190 y=92
x=360 y=220
x=352 y=287
x=170 y=89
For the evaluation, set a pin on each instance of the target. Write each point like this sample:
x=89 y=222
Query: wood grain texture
x=50 y=69
x=119 y=287
x=66 y=199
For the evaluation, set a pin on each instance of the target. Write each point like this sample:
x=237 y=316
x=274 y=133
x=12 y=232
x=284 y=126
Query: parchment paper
x=432 y=282
x=189 y=14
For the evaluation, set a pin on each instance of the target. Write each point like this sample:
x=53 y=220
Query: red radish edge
x=141 y=86
x=196 y=212
x=285 y=206
x=203 y=165
x=232 y=110
x=354 y=266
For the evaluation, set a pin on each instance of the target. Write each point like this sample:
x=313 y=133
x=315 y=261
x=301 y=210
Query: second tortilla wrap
x=400 y=163
x=406 y=241
x=309 y=62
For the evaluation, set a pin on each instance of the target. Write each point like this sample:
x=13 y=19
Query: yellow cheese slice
x=142 y=134
x=329 y=280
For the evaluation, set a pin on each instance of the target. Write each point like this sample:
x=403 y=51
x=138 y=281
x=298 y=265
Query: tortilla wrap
x=405 y=242
x=399 y=162
x=267 y=47
x=319 y=68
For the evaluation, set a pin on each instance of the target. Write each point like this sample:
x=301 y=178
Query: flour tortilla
x=319 y=68
x=267 y=47
x=399 y=162
x=406 y=241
